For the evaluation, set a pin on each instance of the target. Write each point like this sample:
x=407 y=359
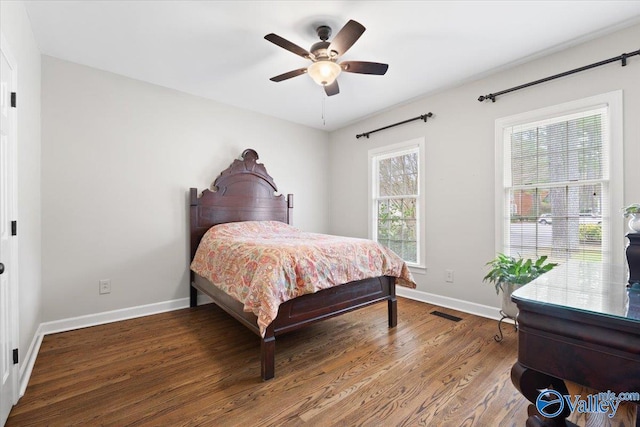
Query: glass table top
x=585 y=286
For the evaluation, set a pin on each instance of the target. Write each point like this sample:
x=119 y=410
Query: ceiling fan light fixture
x=325 y=54
x=324 y=72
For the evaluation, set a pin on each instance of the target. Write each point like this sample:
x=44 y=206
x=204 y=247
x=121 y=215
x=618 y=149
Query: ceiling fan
x=325 y=69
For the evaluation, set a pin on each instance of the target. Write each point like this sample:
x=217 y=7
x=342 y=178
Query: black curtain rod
x=623 y=58
x=422 y=117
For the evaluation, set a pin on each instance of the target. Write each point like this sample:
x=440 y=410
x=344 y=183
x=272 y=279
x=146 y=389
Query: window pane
x=558 y=152
x=397 y=227
x=396 y=190
x=398 y=176
x=551 y=211
x=560 y=222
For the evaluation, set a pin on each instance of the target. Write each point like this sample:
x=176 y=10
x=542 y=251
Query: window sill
x=416 y=269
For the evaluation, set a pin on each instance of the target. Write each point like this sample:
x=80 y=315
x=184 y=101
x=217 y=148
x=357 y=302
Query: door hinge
x=15 y=356
x=13 y=99
x=14 y=228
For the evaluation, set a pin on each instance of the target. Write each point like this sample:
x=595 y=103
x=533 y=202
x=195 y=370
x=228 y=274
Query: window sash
x=613 y=231
x=578 y=232
x=400 y=233
x=569 y=153
x=567 y=233
x=530 y=151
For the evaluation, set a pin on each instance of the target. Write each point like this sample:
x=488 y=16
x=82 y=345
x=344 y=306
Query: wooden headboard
x=243 y=192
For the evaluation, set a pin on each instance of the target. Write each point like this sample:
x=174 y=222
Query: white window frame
x=398 y=149
x=612 y=239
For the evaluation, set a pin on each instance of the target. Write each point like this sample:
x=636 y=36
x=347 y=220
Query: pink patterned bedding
x=265 y=263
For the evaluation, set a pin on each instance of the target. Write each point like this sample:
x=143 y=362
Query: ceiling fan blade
x=288 y=75
x=332 y=89
x=363 y=67
x=346 y=37
x=286 y=44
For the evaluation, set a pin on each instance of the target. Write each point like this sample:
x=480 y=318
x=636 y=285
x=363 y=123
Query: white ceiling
x=216 y=49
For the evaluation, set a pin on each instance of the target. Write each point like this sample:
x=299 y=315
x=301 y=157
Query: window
x=397 y=190
x=559 y=181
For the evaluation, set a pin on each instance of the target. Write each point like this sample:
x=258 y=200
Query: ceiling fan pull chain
x=324 y=122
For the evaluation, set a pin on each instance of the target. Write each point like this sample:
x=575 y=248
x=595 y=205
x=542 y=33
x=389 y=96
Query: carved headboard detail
x=248 y=165
x=243 y=192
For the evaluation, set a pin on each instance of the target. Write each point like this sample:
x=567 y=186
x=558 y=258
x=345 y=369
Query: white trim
x=417 y=270
x=399 y=149
x=613 y=100
x=452 y=303
x=105 y=317
x=29 y=360
x=13 y=267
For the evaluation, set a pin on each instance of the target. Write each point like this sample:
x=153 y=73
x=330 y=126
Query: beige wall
x=118 y=158
x=460 y=231
x=16 y=29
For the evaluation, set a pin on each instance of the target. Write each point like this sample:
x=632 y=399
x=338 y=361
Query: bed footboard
x=306 y=309
x=324 y=304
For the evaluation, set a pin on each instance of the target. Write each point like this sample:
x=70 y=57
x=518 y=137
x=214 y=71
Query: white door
x=8 y=298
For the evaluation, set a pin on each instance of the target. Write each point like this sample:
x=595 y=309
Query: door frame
x=6 y=51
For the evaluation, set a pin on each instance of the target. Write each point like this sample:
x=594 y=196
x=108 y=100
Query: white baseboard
x=447 y=302
x=111 y=316
x=26 y=366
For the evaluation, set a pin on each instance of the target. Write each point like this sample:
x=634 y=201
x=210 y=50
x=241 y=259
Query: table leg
x=530 y=383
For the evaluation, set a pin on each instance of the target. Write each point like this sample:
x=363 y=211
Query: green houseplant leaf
x=632 y=209
x=508 y=269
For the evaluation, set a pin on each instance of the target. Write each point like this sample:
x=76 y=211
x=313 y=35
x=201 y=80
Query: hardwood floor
x=201 y=367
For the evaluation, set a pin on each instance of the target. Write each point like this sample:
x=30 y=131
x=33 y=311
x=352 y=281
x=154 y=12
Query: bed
x=245 y=193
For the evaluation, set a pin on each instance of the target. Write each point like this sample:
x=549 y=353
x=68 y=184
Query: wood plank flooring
x=201 y=367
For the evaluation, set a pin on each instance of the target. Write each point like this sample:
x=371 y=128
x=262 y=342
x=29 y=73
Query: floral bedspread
x=265 y=263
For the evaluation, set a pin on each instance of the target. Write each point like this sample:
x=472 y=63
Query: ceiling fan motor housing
x=320 y=50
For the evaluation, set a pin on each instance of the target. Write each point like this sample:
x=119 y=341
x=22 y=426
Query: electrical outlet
x=104 y=286
x=448 y=276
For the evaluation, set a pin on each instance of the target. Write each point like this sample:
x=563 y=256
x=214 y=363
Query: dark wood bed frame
x=246 y=192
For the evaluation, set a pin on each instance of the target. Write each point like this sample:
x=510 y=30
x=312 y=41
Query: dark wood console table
x=579 y=323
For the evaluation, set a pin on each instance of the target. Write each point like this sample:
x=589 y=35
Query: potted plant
x=508 y=273
x=633 y=213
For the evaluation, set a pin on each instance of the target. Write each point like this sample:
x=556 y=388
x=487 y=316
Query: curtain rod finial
x=491 y=96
